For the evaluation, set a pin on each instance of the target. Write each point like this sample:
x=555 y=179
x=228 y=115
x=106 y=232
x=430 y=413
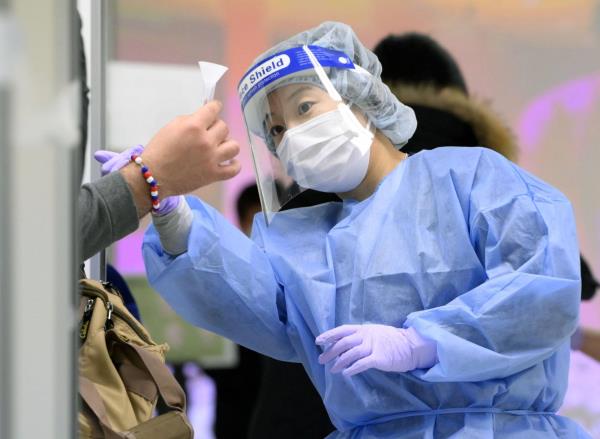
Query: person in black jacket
x=433 y=85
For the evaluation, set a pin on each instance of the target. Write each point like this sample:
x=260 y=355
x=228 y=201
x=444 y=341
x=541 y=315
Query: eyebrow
x=301 y=89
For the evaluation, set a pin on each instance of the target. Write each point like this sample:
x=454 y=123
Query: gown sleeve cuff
x=174 y=228
x=424 y=350
x=202 y=232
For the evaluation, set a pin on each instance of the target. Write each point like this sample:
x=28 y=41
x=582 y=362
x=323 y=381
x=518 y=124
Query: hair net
x=367 y=91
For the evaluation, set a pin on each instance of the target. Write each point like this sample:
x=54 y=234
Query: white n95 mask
x=329 y=153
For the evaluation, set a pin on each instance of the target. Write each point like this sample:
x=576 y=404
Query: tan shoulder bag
x=122 y=373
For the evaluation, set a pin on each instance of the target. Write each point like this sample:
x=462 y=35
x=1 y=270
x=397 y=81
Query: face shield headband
x=291 y=63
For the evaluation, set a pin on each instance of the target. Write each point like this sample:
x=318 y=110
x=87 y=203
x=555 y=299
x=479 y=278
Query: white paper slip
x=211 y=73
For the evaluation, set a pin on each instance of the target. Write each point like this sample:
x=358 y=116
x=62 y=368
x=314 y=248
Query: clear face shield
x=301 y=133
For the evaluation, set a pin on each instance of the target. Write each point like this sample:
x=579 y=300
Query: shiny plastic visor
x=280 y=93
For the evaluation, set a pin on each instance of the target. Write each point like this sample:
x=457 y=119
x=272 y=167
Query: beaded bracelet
x=149 y=179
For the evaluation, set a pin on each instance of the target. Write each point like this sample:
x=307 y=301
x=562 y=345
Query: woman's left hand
x=357 y=348
x=113 y=161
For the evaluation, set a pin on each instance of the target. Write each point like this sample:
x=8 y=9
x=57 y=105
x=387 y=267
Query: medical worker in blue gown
x=437 y=300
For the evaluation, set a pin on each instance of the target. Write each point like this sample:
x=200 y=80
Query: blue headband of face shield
x=286 y=63
x=288 y=66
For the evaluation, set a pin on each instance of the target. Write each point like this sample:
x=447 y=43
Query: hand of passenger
x=192 y=151
x=356 y=348
x=113 y=161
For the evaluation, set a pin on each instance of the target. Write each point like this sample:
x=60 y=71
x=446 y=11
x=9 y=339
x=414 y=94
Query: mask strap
x=329 y=86
x=322 y=75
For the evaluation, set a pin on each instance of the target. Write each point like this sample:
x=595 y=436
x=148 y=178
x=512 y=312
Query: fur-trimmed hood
x=488 y=127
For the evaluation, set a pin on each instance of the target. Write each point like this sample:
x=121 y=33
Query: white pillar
x=37 y=354
x=4 y=223
x=97 y=68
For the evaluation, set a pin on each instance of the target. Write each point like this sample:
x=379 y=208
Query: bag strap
x=173 y=424
x=93 y=400
x=168 y=387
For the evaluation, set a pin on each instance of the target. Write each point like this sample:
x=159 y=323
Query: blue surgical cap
x=362 y=87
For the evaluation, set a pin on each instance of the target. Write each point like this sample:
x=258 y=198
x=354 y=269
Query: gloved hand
x=361 y=347
x=113 y=161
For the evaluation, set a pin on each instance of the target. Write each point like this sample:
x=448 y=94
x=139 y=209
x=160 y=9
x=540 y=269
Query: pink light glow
x=128 y=254
x=575 y=97
x=578 y=99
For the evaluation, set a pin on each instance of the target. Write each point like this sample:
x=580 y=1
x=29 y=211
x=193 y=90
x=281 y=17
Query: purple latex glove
x=113 y=161
x=361 y=347
x=167 y=205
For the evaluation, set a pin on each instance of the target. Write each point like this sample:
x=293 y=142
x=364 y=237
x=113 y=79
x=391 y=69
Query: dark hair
x=589 y=284
x=415 y=58
x=246 y=199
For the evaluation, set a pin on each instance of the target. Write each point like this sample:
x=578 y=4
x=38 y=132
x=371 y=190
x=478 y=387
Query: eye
x=304 y=107
x=276 y=130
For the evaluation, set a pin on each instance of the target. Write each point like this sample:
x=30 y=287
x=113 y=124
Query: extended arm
x=189 y=152
x=224 y=282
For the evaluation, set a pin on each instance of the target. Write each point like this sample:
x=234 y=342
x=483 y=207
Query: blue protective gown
x=459 y=243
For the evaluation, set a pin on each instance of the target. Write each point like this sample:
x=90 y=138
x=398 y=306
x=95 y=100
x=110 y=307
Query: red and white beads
x=149 y=179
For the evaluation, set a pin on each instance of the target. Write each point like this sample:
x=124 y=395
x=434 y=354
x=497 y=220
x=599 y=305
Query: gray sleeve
x=107 y=213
